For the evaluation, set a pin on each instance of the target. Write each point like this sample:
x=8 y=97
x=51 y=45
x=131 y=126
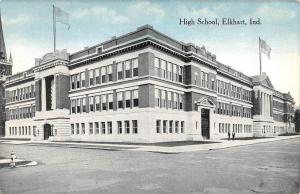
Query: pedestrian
x=228 y=135
x=12 y=159
x=233 y=135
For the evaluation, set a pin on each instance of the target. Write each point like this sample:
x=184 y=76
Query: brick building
x=142 y=87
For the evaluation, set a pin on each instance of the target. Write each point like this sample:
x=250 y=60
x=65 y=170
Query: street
x=272 y=167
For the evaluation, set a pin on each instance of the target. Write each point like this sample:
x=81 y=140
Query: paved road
x=261 y=168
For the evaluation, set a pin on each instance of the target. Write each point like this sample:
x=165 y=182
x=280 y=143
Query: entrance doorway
x=205 y=123
x=47 y=131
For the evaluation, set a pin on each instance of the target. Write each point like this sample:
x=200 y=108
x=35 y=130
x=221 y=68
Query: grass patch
x=247 y=138
x=163 y=144
x=15 y=139
x=17 y=164
x=289 y=134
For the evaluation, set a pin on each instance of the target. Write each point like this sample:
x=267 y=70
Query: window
x=120 y=100
x=83 y=104
x=97 y=103
x=156 y=67
x=163 y=98
x=175 y=73
x=96 y=128
x=182 y=127
x=77 y=80
x=196 y=78
x=212 y=84
x=180 y=74
x=97 y=76
x=127 y=127
x=91 y=128
x=204 y=79
x=91 y=76
x=175 y=102
x=157 y=97
x=91 y=102
x=83 y=79
x=103 y=74
x=78 y=106
x=180 y=102
x=127 y=69
x=109 y=127
x=165 y=126
x=135 y=98
x=169 y=74
x=82 y=128
x=120 y=70
x=119 y=127
x=109 y=73
x=169 y=99
x=177 y=126
x=158 y=128
x=34 y=130
x=110 y=101
x=77 y=128
x=163 y=65
x=73 y=81
x=103 y=127
x=135 y=70
x=170 y=126
x=127 y=99
x=134 y=126
x=104 y=102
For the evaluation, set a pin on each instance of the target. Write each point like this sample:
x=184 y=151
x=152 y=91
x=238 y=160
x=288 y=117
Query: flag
x=61 y=16
x=264 y=48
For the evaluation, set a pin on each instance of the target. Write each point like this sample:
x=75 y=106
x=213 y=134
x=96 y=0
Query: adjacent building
x=142 y=87
x=5 y=70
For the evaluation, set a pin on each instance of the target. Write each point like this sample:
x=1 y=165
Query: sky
x=28 y=31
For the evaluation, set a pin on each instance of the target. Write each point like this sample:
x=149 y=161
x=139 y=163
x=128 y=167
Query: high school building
x=142 y=87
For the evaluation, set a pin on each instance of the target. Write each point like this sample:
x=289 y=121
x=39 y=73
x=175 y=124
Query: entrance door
x=47 y=131
x=205 y=123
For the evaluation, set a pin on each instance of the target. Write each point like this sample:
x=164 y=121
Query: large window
x=135 y=70
x=109 y=127
x=158 y=126
x=82 y=128
x=120 y=71
x=73 y=79
x=127 y=69
x=97 y=103
x=83 y=79
x=78 y=106
x=97 y=76
x=163 y=65
x=157 y=97
x=73 y=106
x=127 y=127
x=135 y=98
x=169 y=99
x=103 y=127
x=110 y=102
x=169 y=72
x=134 y=126
x=83 y=104
x=96 y=128
x=91 y=77
x=103 y=74
x=78 y=81
x=91 y=104
x=157 y=67
x=163 y=98
x=165 y=126
x=109 y=73
x=104 y=102
x=170 y=126
x=119 y=127
x=127 y=99
x=120 y=100
x=91 y=131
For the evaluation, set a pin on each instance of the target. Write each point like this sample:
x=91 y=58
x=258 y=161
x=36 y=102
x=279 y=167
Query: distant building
x=297 y=119
x=5 y=70
x=142 y=87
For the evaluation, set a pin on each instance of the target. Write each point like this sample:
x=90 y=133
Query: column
x=53 y=93
x=43 y=93
x=263 y=103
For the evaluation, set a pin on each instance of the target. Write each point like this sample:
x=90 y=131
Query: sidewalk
x=221 y=144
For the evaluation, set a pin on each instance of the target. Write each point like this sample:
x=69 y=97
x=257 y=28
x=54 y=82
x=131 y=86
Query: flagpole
x=54 y=29
x=260 y=67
